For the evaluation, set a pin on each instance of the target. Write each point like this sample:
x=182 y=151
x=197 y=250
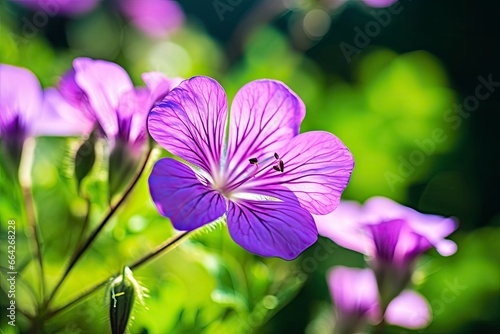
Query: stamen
x=278 y=165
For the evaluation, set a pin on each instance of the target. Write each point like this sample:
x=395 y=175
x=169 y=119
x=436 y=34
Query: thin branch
x=25 y=182
x=167 y=246
x=85 y=246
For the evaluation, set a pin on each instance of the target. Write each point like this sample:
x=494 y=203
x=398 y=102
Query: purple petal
x=180 y=195
x=409 y=310
x=395 y=241
x=433 y=228
x=344 y=228
x=159 y=85
x=104 y=83
x=379 y=3
x=317 y=168
x=60 y=7
x=190 y=122
x=59 y=118
x=70 y=90
x=271 y=228
x=265 y=115
x=354 y=293
x=20 y=99
x=385 y=237
x=133 y=110
x=155 y=18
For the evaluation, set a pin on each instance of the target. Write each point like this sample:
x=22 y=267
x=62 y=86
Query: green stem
x=167 y=246
x=85 y=246
x=86 y=221
x=29 y=205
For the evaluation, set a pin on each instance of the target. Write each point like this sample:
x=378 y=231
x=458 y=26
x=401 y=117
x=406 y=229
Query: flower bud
x=123 y=162
x=84 y=159
x=123 y=292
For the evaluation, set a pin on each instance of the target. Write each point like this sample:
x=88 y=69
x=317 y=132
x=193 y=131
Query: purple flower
x=266 y=179
x=155 y=18
x=355 y=296
x=103 y=92
x=392 y=235
x=60 y=7
x=379 y=3
x=25 y=111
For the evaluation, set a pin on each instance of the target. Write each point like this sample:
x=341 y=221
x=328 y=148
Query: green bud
x=123 y=163
x=123 y=291
x=84 y=159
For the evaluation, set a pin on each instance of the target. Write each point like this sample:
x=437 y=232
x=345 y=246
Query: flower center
x=255 y=168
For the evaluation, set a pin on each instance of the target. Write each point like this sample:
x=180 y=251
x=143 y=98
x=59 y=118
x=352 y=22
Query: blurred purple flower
x=25 y=112
x=267 y=179
x=102 y=91
x=155 y=18
x=355 y=296
x=379 y=3
x=60 y=7
x=392 y=235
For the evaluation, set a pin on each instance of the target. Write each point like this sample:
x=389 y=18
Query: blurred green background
x=391 y=101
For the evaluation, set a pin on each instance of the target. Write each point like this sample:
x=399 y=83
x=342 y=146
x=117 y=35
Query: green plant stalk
x=85 y=246
x=29 y=205
x=167 y=246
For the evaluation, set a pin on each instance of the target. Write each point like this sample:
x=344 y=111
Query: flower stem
x=85 y=222
x=167 y=246
x=82 y=248
x=25 y=182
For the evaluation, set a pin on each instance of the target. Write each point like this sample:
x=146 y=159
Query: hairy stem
x=29 y=205
x=167 y=246
x=82 y=248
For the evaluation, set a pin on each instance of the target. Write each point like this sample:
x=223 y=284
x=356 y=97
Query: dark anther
x=276 y=168
x=253 y=161
x=276 y=156
x=282 y=166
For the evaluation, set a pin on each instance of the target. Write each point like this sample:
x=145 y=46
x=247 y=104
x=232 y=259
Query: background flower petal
x=190 y=122
x=155 y=18
x=180 y=195
x=344 y=228
x=104 y=83
x=20 y=97
x=159 y=85
x=433 y=228
x=317 y=168
x=271 y=228
x=409 y=310
x=61 y=7
x=59 y=118
x=265 y=114
x=354 y=291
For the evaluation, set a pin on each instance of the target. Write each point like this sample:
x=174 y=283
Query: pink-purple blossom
x=265 y=177
x=156 y=18
x=355 y=297
x=60 y=7
x=392 y=235
x=379 y=3
x=25 y=111
x=103 y=93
